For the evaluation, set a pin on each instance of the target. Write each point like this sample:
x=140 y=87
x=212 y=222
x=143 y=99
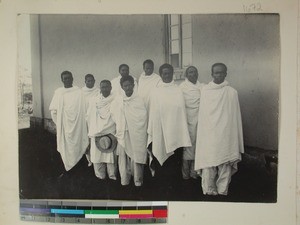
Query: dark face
x=124 y=70
x=127 y=86
x=105 y=89
x=89 y=82
x=148 y=68
x=67 y=79
x=219 y=73
x=167 y=75
x=192 y=75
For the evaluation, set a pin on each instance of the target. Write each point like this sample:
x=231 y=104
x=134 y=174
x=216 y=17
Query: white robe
x=146 y=85
x=130 y=116
x=219 y=135
x=116 y=88
x=99 y=121
x=167 y=127
x=68 y=113
x=89 y=93
x=191 y=93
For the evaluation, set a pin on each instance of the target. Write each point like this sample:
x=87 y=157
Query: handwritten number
x=254 y=7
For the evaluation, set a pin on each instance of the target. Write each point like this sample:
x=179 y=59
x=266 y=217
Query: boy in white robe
x=191 y=89
x=68 y=113
x=89 y=90
x=147 y=81
x=100 y=123
x=115 y=83
x=220 y=137
x=167 y=129
x=130 y=116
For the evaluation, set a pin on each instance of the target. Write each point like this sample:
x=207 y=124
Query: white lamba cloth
x=219 y=135
x=191 y=93
x=89 y=93
x=98 y=116
x=68 y=113
x=167 y=128
x=130 y=116
x=100 y=123
x=146 y=85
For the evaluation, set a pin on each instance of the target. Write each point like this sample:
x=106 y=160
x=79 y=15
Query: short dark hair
x=166 y=65
x=105 y=81
x=122 y=66
x=187 y=69
x=126 y=78
x=89 y=75
x=218 y=64
x=149 y=61
x=65 y=73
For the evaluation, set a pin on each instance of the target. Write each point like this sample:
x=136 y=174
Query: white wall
x=96 y=44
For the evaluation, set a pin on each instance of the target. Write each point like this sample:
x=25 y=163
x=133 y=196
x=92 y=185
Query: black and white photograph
x=176 y=107
x=189 y=103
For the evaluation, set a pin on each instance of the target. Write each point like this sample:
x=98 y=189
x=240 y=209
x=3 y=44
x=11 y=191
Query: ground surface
x=40 y=164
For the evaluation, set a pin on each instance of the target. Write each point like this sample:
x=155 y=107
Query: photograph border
x=249 y=213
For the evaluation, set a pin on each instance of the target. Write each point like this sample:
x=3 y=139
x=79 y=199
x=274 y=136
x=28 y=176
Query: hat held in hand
x=106 y=143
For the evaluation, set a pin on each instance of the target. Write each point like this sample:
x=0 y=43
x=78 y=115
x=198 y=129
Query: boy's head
x=148 y=67
x=166 y=72
x=124 y=70
x=105 y=88
x=127 y=84
x=218 y=72
x=89 y=81
x=191 y=74
x=67 y=79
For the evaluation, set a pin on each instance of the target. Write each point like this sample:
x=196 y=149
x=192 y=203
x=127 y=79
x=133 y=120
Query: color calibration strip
x=97 y=212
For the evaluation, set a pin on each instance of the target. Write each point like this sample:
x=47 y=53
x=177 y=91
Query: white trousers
x=128 y=168
x=101 y=169
x=216 y=180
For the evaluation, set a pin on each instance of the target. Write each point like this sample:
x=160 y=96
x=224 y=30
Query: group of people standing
x=180 y=131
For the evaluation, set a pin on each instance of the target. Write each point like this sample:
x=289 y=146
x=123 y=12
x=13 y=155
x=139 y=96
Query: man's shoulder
x=231 y=89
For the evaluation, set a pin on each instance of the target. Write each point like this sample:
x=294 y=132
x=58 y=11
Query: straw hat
x=106 y=143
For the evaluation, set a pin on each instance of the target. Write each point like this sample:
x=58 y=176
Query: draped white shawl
x=191 y=93
x=68 y=112
x=89 y=92
x=146 y=85
x=167 y=127
x=130 y=116
x=220 y=135
x=100 y=123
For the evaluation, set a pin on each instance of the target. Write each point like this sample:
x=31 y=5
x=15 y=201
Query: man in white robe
x=167 y=129
x=191 y=89
x=100 y=123
x=115 y=83
x=147 y=81
x=89 y=90
x=130 y=116
x=68 y=113
x=220 y=137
